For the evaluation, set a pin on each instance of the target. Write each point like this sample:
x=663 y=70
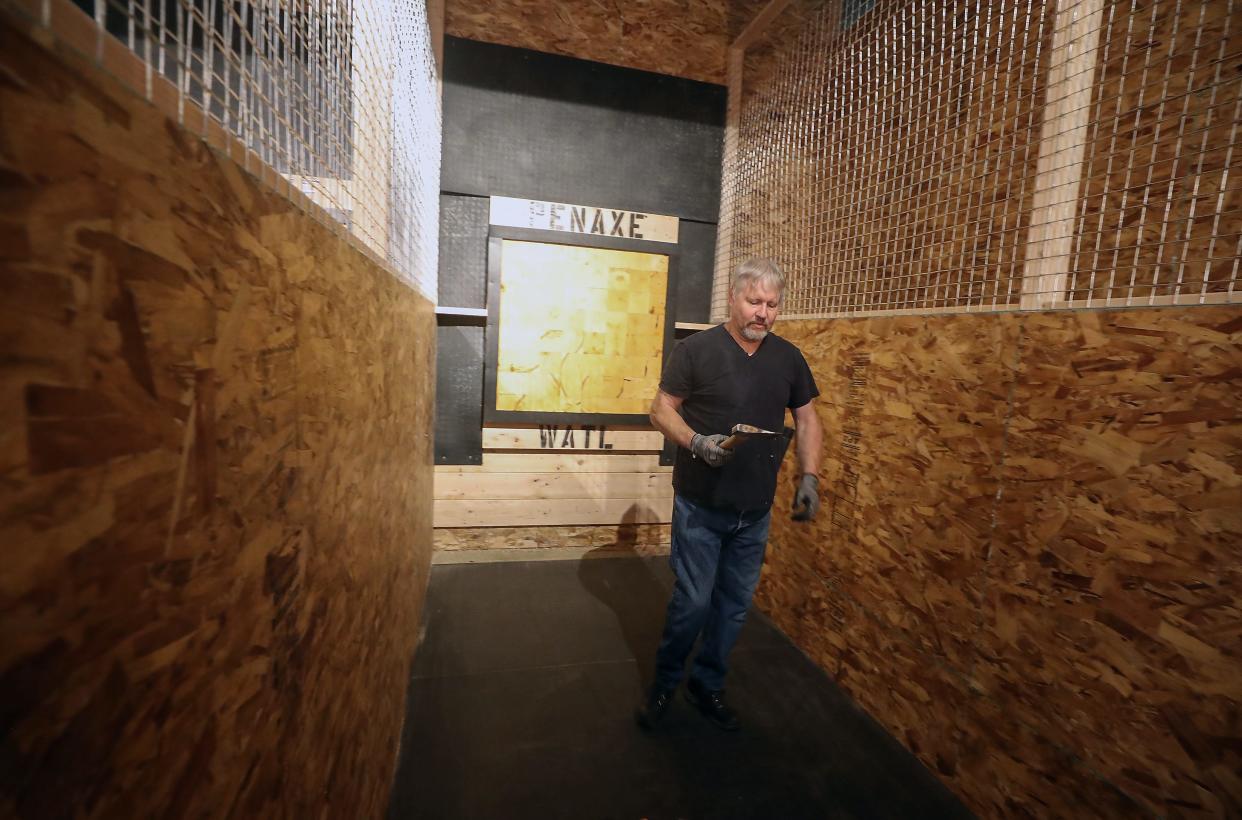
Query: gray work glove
x=708 y=448
x=806 y=498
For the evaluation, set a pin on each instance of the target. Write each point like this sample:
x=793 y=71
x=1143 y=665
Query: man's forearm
x=669 y=422
x=810 y=442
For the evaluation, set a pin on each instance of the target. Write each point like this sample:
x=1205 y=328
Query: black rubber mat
x=522 y=693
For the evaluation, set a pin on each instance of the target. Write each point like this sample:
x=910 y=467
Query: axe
x=741 y=432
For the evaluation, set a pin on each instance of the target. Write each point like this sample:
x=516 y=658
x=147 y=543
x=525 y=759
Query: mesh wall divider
x=929 y=157
x=335 y=103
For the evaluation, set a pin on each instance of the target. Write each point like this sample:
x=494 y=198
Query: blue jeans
x=716 y=558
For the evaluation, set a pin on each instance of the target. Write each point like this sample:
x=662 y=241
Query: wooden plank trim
x=527 y=538
x=1112 y=303
x=596 y=486
x=757 y=26
x=551 y=511
x=539 y=461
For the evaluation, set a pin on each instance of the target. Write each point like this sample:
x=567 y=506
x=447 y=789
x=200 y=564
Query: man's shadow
x=635 y=587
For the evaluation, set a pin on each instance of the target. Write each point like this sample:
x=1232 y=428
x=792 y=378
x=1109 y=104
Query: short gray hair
x=758 y=270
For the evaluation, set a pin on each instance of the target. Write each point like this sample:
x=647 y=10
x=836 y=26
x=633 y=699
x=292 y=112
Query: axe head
x=740 y=432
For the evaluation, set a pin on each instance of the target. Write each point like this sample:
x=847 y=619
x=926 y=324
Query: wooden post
x=728 y=171
x=372 y=84
x=1062 y=145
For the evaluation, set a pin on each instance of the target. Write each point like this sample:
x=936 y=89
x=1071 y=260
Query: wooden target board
x=578 y=332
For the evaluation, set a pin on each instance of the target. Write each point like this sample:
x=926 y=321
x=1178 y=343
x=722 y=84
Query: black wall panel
x=459 y=395
x=540 y=126
x=693 y=288
x=463 y=251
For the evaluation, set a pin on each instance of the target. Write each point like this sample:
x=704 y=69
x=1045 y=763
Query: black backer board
x=692 y=288
x=526 y=124
x=463 y=251
x=459 y=394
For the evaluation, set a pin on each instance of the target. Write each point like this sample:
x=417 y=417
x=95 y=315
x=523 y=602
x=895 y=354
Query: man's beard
x=752 y=334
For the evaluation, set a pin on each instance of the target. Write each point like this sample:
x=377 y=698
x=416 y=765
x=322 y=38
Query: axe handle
x=737 y=438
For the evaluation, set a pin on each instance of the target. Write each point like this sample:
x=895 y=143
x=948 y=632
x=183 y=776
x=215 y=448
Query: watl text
x=552 y=437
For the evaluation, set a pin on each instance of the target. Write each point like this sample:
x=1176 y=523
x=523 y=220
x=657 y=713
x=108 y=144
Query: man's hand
x=806 y=498
x=708 y=448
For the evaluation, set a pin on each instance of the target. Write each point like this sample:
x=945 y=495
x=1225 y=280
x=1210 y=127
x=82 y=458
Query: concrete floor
x=521 y=704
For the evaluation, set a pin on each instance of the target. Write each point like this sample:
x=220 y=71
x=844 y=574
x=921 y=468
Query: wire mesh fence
x=335 y=99
x=975 y=155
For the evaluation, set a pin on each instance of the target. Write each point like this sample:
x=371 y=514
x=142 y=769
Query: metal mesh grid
x=952 y=156
x=339 y=98
x=1161 y=212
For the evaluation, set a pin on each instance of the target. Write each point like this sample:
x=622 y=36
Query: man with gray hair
x=737 y=372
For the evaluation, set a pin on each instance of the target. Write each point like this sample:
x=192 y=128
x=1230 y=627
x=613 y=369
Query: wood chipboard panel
x=682 y=39
x=216 y=449
x=1026 y=566
x=1115 y=589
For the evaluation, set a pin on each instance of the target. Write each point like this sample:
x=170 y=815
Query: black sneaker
x=712 y=705
x=650 y=712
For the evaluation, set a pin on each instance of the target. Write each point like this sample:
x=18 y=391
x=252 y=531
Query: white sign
x=559 y=216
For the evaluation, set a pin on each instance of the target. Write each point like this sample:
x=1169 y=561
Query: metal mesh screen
x=1161 y=211
x=950 y=156
x=336 y=99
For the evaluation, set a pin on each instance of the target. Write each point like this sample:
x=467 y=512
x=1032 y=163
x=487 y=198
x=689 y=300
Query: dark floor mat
x=521 y=705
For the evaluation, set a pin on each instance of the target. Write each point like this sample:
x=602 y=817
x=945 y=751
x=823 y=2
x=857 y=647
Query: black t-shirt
x=722 y=386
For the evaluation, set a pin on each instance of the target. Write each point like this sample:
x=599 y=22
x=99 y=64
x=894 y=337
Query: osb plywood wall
x=1028 y=562
x=216 y=469
x=683 y=39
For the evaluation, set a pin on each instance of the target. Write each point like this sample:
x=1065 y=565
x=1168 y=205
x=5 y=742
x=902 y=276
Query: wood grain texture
x=552 y=485
x=642 y=538
x=548 y=499
x=1027 y=562
x=683 y=39
x=655 y=508
x=216 y=472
